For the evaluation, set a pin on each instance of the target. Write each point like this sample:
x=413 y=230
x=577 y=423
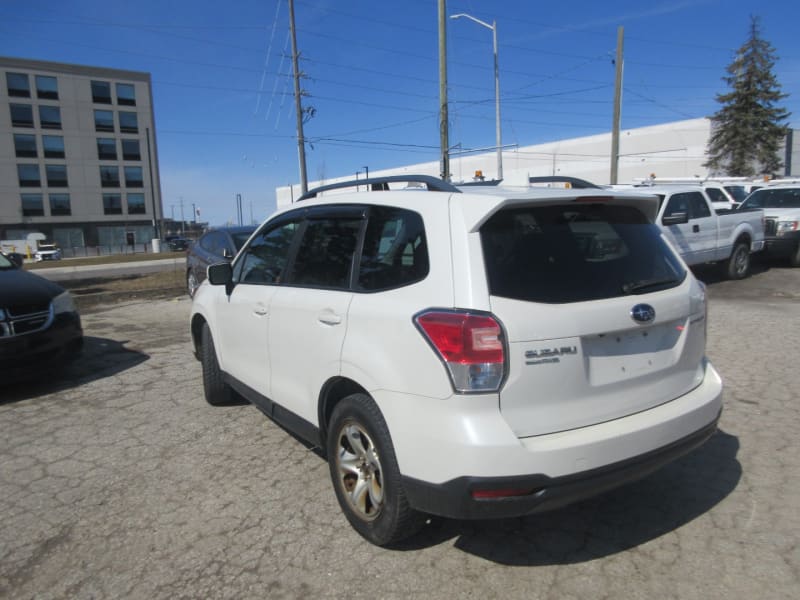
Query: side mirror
x=675 y=219
x=220 y=274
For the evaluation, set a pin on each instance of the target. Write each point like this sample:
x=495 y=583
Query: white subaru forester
x=463 y=353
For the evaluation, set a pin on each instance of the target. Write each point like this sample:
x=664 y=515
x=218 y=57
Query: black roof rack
x=575 y=183
x=381 y=184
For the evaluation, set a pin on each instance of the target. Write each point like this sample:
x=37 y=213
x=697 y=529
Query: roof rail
x=575 y=183
x=480 y=183
x=381 y=184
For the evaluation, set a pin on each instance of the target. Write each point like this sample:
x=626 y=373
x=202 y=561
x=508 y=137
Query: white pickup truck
x=703 y=234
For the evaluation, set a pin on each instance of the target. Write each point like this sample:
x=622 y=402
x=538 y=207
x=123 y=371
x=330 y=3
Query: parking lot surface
x=119 y=481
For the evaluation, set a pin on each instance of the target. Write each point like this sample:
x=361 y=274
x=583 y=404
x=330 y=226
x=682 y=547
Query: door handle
x=696 y=228
x=260 y=310
x=329 y=319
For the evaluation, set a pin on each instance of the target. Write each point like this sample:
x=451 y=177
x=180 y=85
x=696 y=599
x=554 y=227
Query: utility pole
x=617 y=108
x=444 y=137
x=298 y=105
x=183 y=222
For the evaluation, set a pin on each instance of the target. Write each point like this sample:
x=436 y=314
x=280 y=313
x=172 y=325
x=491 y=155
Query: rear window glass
x=575 y=253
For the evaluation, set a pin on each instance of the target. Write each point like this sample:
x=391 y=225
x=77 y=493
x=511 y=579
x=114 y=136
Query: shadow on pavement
x=101 y=358
x=614 y=522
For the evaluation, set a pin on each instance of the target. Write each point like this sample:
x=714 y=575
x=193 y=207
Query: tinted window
x=126 y=94
x=50 y=117
x=18 y=85
x=677 y=204
x=112 y=204
x=737 y=191
x=130 y=150
x=60 y=205
x=265 y=259
x=21 y=115
x=325 y=256
x=395 y=252
x=128 y=123
x=109 y=176
x=772 y=198
x=133 y=177
x=25 y=145
x=103 y=120
x=101 y=92
x=106 y=149
x=698 y=207
x=32 y=205
x=53 y=146
x=56 y=175
x=46 y=87
x=28 y=175
x=575 y=253
x=717 y=195
x=136 y=204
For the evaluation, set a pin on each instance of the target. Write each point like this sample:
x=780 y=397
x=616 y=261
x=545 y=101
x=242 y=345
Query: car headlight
x=787 y=226
x=63 y=303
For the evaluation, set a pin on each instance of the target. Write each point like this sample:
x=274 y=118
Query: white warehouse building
x=669 y=150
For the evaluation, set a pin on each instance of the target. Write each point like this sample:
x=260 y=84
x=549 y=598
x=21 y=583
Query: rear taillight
x=470 y=345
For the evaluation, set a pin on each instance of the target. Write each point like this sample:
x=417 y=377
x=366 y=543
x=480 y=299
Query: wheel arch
x=333 y=391
x=196 y=327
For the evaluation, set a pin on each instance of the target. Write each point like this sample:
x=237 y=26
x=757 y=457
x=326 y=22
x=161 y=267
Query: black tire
x=794 y=258
x=738 y=264
x=216 y=391
x=373 y=500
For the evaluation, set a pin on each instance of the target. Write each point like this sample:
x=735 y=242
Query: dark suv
x=214 y=246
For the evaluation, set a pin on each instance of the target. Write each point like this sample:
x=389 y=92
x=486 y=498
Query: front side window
x=60 y=205
x=112 y=204
x=46 y=87
x=101 y=92
x=133 y=177
x=576 y=253
x=18 y=85
x=32 y=205
x=21 y=115
x=109 y=176
x=678 y=204
x=130 y=150
x=53 y=146
x=395 y=251
x=50 y=117
x=136 y=204
x=325 y=256
x=106 y=149
x=29 y=176
x=25 y=145
x=128 y=122
x=56 y=175
x=264 y=260
x=103 y=120
x=126 y=94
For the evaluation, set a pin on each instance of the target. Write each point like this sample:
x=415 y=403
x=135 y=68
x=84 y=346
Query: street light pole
x=498 y=134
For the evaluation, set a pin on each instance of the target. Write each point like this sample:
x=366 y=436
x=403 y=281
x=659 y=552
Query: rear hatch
x=602 y=320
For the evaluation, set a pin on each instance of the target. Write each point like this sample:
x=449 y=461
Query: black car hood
x=21 y=287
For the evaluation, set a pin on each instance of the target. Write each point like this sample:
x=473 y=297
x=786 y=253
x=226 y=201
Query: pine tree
x=747 y=131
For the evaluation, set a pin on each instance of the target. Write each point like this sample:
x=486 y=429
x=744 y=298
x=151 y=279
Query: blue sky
x=222 y=85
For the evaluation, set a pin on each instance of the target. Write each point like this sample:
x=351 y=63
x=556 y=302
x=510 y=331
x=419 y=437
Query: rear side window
x=325 y=256
x=395 y=250
x=575 y=253
x=717 y=195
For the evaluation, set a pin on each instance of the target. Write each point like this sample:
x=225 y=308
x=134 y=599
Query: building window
x=112 y=204
x=133 y=177
x=53 y=146
x=128 y=123
x=106 y=149
x=29 y=176
x=32 y=205
x=136 y=204
x=130 y=150
x=50 y=117
x=103 y=120
x=109 y=176
x=56 y=175
x=126 y=94
x=25 y=145
x=101 y=92
x=18 y=85
x=21 y=115
x=46 y=87
x=59 y=205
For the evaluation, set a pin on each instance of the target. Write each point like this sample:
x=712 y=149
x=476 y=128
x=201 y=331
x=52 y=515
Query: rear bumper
x=540 y=493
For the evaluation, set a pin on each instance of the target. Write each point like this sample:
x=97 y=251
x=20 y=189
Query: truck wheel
x=216 y=391
x=738 y=264
x=365 y=474
x=794 y=259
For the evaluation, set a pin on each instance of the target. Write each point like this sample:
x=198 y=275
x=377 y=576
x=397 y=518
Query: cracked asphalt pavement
x=119 y=481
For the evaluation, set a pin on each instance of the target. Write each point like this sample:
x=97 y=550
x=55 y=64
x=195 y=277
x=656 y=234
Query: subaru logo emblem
x=643 y=313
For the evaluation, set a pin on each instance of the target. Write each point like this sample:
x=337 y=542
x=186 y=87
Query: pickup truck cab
x=781 y=206
x=702 y=233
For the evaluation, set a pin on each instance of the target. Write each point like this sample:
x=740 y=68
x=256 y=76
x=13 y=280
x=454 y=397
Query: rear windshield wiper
x=636 y=287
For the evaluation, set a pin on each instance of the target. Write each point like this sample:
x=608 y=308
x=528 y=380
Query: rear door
x=598 y=315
